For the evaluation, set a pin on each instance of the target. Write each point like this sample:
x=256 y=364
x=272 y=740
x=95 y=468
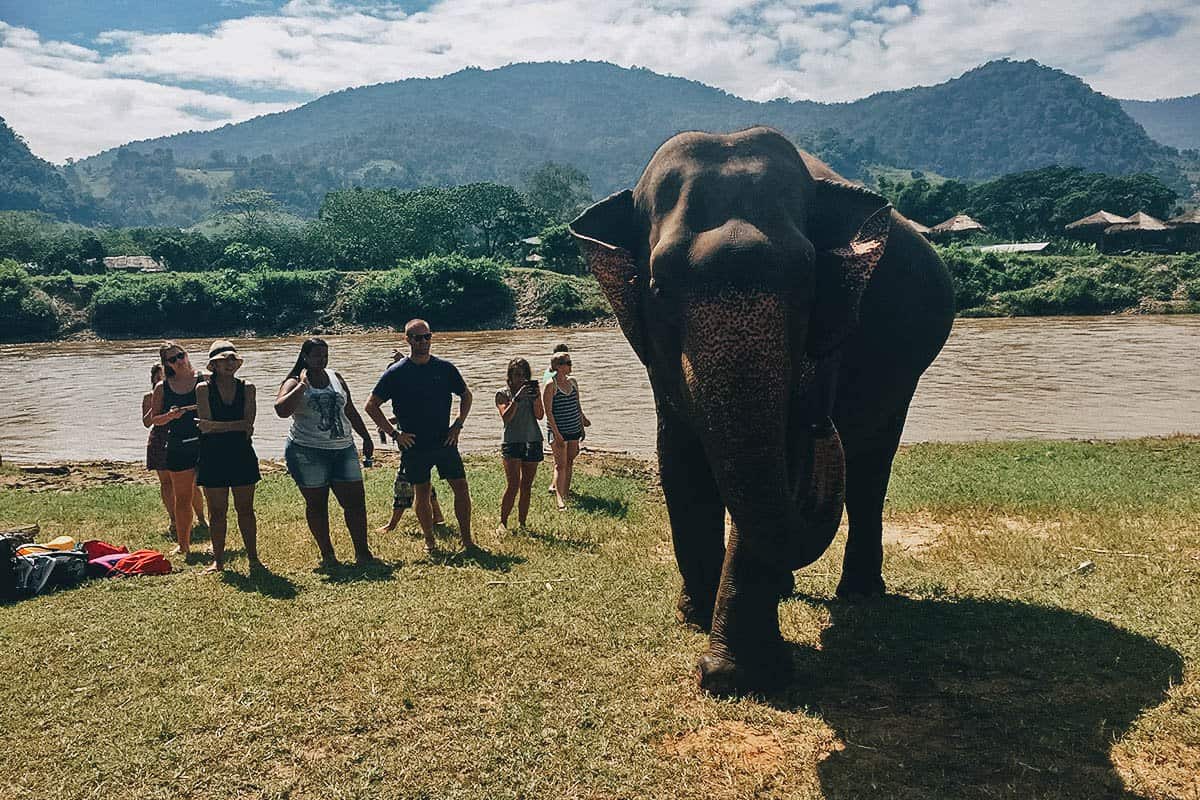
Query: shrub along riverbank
x=457 y=292
x=453 y=292
x=1040 y=641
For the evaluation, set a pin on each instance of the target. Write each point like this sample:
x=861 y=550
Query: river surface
x=1046 y=378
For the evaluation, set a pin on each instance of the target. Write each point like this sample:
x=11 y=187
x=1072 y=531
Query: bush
x=1075 y=293
x=562 y=302
x=449 y=291
x=27 y=312
x=213 y=302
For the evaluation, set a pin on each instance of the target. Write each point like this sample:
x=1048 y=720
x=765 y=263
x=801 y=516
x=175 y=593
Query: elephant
x=784 y=316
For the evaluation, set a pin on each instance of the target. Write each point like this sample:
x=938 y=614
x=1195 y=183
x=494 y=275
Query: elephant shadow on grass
x=975 y=698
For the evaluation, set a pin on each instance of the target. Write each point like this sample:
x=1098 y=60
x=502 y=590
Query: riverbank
x=1040 y=641
x=478 y=294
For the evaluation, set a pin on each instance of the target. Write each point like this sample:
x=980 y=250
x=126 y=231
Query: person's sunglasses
x=565 y=363
x=420 y=337
x=176 y=357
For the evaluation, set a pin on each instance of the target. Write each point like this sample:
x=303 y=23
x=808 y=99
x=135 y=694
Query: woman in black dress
x=173 y=405
x=226 y=409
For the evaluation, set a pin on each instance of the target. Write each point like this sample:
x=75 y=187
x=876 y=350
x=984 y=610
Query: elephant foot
x=860 y=587
x=691 y=615
x=721 y=675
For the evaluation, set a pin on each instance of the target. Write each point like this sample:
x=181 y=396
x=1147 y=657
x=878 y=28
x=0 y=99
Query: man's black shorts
x=529 y=452
x=417 y=465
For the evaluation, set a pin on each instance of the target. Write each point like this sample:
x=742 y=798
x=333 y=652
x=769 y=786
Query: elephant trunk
x=763 y=407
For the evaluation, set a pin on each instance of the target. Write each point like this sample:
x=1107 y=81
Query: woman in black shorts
x=520 y=407
x=226 y=408
x=565 y=420
x=156 y=456
x=173 y=405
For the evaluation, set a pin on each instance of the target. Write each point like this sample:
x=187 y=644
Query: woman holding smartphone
x=520 y=408
x=156 y=456
x=173 y=405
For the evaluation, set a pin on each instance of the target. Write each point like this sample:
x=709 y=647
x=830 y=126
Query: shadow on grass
x=568 y=543
x=591 y=504
x=200 y=533
x=477 y=557
x=975 y=698
x=263 y=581
x=350 y=572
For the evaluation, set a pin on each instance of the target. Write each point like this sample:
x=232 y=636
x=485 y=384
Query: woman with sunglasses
x=320 y=452
x=156 y=456
x=174 y=405
x=565 y=420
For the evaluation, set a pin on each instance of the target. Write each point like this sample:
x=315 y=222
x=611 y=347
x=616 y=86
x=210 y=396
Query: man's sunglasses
x=420 y=337
x=177 y=357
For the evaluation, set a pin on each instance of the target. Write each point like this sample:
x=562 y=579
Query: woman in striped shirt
x=565 y=420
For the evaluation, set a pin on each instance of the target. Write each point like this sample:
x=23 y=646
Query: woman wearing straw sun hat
x=225 y=408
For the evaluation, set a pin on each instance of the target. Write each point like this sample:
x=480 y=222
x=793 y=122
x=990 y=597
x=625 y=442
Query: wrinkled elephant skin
x=784 y=316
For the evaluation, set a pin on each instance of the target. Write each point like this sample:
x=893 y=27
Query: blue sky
x=78 y=77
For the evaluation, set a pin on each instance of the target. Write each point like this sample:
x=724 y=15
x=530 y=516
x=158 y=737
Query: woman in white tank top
x=320 y=451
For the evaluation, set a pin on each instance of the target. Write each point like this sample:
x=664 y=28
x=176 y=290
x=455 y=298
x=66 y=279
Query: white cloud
x=69 y=100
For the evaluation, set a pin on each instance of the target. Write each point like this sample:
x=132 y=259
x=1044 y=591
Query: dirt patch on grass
x=731 y=745
x=75 y=476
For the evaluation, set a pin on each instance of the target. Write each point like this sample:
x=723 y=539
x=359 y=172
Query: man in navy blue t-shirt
x=419 y=387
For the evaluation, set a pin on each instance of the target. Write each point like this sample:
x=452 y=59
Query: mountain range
x=499 y=125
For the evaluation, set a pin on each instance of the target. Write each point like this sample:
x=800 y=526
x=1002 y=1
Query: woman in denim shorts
x=520 y=407
x=320 y=451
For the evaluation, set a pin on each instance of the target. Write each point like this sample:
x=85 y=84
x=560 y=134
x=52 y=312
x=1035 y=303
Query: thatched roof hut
x=1185 y=230
x=1187 y=218
x=1143 y=232
x=958 y=226
x=1101 y=218
x=918 y=227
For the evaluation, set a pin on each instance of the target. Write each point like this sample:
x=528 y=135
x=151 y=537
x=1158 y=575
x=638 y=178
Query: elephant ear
x=850 y=227
x=610 y=233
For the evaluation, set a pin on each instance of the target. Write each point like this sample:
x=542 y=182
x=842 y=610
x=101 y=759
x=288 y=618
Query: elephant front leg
x=746 y=651
x=868 y=470
x=697 y=521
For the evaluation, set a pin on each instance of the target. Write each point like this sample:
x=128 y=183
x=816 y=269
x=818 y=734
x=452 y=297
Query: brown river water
x=1047 y=378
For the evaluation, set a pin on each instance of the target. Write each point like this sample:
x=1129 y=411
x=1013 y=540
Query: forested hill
x=498 y=125
x=1175 y=122
x=27 y=183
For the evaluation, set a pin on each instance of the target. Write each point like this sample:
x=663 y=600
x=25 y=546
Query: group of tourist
x=202 y=425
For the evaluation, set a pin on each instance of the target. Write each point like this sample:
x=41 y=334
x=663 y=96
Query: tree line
x=355 y=229
x=1033 y=204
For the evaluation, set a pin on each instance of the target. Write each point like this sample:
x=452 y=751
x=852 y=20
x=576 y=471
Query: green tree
x=559 y=251
x=560 y=191
x=248 y=209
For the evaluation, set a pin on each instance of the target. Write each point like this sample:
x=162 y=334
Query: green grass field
x=549 y=664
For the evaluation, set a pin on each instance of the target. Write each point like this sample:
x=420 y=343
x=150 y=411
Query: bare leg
x=560 y=467
x=569 y=468
x=512 y=476
x=168 y=498
x=528 y=476
x=397 y=513
x=183 y=486
x=218 y=506
x=243 y=501
x=462 y=510
x=353 y=500
x=198 y=506
x=424 y=508
x=316 y=512
x=438 y=517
